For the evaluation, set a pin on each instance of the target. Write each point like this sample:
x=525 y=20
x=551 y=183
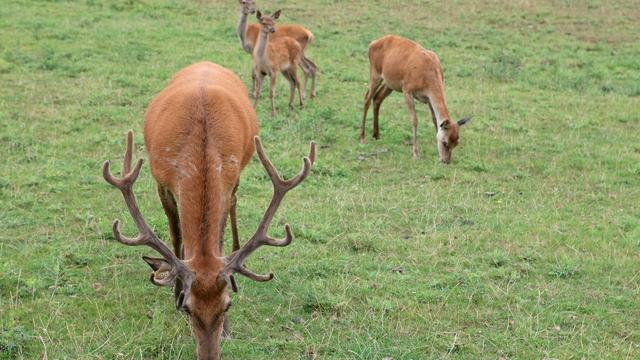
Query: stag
x=200 y=132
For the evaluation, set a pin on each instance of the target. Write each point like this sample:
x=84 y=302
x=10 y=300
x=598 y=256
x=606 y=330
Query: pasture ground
x=526 y=247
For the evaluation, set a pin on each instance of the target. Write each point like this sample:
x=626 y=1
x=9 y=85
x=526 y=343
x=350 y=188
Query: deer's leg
x=313 y=70
x=292 y=87
x=226 y=331
x=171 y=210
x=258 y=89
x=296 y=80
x=408 y=96
x=374 y=83
x=253 y=84
x=272 y=92
x=234 y=219
x=382 y=94
x=307 y=73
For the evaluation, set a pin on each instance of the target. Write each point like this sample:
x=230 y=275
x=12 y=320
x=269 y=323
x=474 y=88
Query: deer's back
x=301 y=35
x=202 y=120
x=404 y=63
x=282 y=51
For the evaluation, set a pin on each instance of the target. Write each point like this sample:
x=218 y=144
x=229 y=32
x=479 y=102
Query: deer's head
x=447 y=136
x=202 y=282
x=268 y=23
x=248 y=6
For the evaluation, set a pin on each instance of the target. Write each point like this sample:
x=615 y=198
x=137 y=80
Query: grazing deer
x=402 y=65
x=282 y=54
x=200 y=133
x=248 y=34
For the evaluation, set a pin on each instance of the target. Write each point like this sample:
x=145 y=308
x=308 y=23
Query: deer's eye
x=445 y=144
x=228 y=306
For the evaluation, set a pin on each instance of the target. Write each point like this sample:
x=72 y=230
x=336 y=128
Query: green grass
x=526 y=247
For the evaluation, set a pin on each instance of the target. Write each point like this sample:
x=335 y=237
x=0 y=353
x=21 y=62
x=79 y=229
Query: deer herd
x=202 y=130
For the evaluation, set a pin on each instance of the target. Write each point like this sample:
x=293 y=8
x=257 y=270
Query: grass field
x=526 y=247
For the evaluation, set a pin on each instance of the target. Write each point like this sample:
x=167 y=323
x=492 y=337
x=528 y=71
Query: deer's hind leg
x=293 y=73
x=310 y=70
x=381 y=94
x=374 y=83
x=292 y=86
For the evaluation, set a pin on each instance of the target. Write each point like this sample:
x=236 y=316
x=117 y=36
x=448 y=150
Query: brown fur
x=298 y=33
x=199 y=135
x=249 y=34
x=399 y=64
x=280 y=55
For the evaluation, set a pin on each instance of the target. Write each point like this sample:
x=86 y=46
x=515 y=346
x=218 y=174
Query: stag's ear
x=161 y=267
x=446 y=125
x=259 y=15
x=157 y=263
x=276 y=14
x=464 y=120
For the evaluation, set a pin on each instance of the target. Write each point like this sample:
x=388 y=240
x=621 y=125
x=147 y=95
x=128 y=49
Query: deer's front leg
x=258 y=89
x=408 y=96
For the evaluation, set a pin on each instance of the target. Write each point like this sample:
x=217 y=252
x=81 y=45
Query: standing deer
x=402 y=65
x=200 y=133
x=282 y=54
x=249 y=33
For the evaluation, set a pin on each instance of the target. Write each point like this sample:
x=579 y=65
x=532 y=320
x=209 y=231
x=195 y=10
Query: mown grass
x=525 y=247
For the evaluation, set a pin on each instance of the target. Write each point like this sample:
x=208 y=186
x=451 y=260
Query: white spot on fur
x=232 y=159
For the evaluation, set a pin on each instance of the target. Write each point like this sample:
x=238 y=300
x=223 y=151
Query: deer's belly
x=395 y=85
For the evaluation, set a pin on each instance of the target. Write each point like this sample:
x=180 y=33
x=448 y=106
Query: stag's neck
x=242 y=31
x=260 y=51
x=203 y=224
x=203 y=196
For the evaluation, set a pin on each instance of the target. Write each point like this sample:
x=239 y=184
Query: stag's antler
x=234 y=263
x=146 y=236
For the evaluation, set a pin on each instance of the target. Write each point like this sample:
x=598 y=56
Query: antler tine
x=235 y=262
x=146 y=235
x=277 y=181
x=128 y=155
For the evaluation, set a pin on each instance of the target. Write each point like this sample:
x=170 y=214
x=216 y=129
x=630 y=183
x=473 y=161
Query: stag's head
x=202 y=282
x=201 y=293
x=268 y=23
x=248 y=6
x=448 y=134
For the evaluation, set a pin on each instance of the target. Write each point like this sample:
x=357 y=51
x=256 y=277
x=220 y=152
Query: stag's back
x=199 y=135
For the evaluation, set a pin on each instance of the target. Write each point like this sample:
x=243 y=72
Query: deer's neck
x=439 y=106
x=242 y=31
x=203 y=195
x=260 y=51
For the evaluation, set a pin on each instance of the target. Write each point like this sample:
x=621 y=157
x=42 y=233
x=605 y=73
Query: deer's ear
x=276 y=14
x=446 y=125
x=157 y=264
x=259 y=15
x=464 y=120
x=161 y=275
